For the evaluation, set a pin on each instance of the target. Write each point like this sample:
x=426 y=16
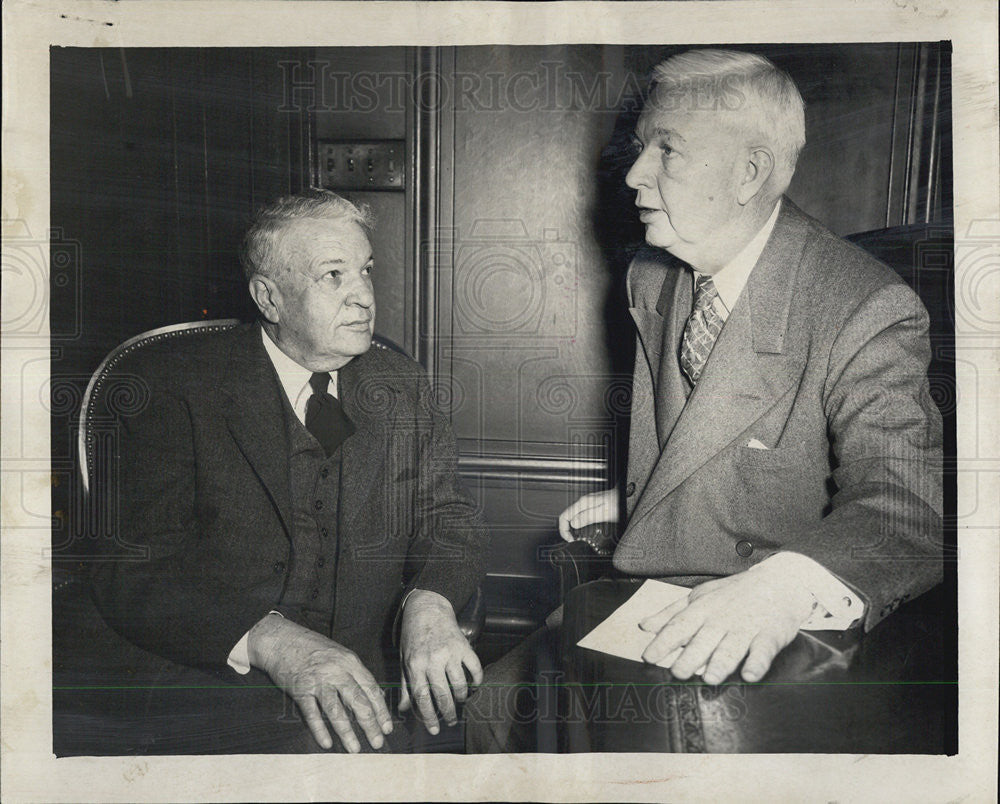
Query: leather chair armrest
x=583 y=560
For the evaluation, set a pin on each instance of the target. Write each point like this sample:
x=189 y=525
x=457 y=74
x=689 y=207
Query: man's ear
x=266 y=296
x=759 y=167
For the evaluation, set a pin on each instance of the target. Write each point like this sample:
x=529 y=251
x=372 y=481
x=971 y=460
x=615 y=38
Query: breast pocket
x=775 y=491
x=753 y=458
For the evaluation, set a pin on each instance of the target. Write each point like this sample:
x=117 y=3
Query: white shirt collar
x=732 y=278
x=293 y=377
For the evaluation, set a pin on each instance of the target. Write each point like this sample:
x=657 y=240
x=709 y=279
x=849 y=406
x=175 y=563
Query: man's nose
x=362 y=293
x=638 y=174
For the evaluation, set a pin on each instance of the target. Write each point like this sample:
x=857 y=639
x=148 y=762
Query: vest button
x=321 y=561
x=630 y=489
x=314 y=594
x=744 y=548
x=318 y=504
x=279 y=567
x=324 y=532
x=324 y=473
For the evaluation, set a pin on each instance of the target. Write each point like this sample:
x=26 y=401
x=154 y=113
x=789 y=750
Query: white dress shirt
x=839 y=607
x=294 y=378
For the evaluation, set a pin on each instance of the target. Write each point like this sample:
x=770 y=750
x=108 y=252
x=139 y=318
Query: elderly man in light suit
x=785 y=454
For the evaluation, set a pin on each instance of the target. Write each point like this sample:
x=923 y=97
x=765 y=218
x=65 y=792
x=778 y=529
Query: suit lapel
x=749 y=369
x=368 y=400
x=255 y=415
x=671 y=387
x=659 y=335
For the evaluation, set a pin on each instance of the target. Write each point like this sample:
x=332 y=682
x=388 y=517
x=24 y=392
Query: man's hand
x=435 y=653
x=752 y=614
x=323 y=678
x=590 y=509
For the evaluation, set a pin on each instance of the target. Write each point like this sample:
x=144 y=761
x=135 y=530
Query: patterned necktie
x=702 y=328
x=325 y=417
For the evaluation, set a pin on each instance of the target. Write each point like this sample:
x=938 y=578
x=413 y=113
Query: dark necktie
x=325 y=417
x=702 y=328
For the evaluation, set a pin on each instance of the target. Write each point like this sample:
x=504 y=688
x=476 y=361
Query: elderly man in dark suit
x=297 y=493
x=785 y=454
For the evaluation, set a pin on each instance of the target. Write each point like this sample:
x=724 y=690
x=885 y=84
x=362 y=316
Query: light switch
x=362 y=165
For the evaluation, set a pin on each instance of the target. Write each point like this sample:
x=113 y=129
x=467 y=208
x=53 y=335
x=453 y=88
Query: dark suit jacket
x=823 y=359
x=205 y=488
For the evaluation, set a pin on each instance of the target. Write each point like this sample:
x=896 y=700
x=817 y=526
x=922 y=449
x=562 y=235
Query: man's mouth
x=647 y=213
x=362 y=323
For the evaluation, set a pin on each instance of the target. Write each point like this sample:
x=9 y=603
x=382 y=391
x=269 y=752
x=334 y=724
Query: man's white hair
x=261 y=252
x=769 y=103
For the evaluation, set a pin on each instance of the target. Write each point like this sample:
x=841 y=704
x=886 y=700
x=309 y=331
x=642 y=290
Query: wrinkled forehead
x=309 y=238
x=688 y=109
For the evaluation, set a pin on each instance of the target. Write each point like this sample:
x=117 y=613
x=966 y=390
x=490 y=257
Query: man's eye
x=667 y=150
x=367 y=270
x=334 y=274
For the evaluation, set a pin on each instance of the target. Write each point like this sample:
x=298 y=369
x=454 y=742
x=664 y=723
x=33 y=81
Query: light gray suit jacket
x=823 y=359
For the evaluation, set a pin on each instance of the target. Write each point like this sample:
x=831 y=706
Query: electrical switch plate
x=362 y=165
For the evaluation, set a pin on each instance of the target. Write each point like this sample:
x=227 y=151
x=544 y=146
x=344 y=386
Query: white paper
x=620 y=635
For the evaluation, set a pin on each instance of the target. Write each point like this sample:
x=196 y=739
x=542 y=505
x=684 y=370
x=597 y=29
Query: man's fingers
x=573 y=518
x=377 y=699
x=588 y=510
x=339 y=720
x=697 y=652
x=314 y=720
x=727 y=656
x=421 y=695
x=357 y=701
x=564 y=529
x=456 y=678
x=676 y=633
x=763 y=649
x=655 y=622
x=441 y=691
x=471 y=661
x=404 y=696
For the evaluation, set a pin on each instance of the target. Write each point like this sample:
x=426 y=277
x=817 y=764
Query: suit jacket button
x=630 y=489
x=318 y=505
x=279 y=567
x=744 y=548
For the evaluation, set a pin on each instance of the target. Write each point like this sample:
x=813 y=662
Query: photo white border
x=30 y=772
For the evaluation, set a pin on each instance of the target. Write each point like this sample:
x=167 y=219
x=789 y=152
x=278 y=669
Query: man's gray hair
x=260 y=255
x=730 y=80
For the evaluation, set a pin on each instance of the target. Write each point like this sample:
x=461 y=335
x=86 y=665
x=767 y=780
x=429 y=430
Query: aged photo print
x=526 y=408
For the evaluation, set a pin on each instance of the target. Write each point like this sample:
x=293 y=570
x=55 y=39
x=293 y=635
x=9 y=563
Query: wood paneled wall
x=158 y=158
x=501 y=267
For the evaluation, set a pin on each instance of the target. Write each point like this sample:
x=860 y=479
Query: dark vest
x=310 y=589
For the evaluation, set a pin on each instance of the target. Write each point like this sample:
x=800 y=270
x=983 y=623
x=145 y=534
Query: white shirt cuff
x=239 y=656
x=839 y=607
